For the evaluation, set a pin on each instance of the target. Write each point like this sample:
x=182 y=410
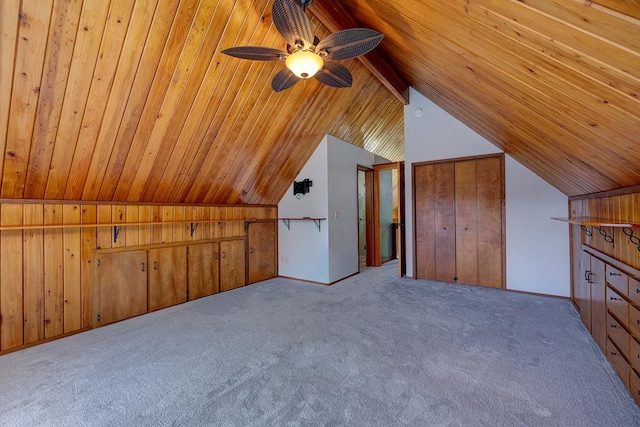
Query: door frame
x=369 y=214
x=401 y=248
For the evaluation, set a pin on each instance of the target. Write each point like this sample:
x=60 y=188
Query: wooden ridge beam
x=336 y=18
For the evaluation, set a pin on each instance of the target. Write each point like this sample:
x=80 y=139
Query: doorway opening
x=365 y=218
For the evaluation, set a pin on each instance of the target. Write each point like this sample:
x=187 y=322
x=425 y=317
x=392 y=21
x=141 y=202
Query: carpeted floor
x=373 y=350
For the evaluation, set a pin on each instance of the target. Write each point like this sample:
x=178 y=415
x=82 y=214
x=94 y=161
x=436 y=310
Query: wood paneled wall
x=616 y=207
x=46 y=273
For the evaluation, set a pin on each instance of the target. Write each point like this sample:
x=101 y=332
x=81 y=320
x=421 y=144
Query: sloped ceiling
x=123 y=100
x=554 y=83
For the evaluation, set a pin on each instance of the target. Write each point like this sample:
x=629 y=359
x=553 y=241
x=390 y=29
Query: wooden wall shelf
x=287 y=221
x=598 y=224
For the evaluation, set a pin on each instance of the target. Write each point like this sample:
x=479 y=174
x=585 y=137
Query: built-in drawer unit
x=618 y=314
x=634 y=291
x=634 y=321
x=618 y=306
x=634 y=353
x=617 y=333
x=617 y=279
x=618 y=362
x=634 y=386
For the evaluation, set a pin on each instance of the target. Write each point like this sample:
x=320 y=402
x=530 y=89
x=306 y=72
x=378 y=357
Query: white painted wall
x=344 y=159
x=537 y=247
x=331 y=254
x=303 y=251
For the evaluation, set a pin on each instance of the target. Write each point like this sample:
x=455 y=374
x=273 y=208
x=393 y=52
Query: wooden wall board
x=11 y=273
x=53 y=273
x=33 y=274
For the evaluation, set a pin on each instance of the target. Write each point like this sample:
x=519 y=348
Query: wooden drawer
x=618 y=306
x=618 y=362
x=634 y=321
x=617 y=279
x=634 y=290
x=617 y=334
x=634 y=386
x=634 y=353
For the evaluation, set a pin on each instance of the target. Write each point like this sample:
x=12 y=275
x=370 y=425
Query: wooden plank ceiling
x=554 y=83
x=123 y=100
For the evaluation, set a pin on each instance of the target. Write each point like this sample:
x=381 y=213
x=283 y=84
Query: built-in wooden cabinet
x=262 y=241
x=203 y=269
x=589 y=296
x=607 y=295
x=459 y=220
x=130 y=282
x=120 y=286
x=232 y=265
x=167 y=276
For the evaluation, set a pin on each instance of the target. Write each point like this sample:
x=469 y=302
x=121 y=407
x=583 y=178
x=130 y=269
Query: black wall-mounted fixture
x=302 y=187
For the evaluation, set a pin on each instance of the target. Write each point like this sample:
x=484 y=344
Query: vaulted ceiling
x=123 y=100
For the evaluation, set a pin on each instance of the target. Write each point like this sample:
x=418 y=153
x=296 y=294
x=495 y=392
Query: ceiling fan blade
x=292 y=23
x=283 y=80
x=256 y=53
x=348 y=44
x=335 y=75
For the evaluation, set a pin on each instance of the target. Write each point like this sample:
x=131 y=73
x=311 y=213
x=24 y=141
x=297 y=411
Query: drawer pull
x=611 y=273
x=613 y=326
x=637 y=290
x=615 y=299
x=613 y=353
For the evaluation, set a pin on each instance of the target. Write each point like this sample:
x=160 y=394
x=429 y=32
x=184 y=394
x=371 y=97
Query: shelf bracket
x=317 y=223
x=632 y=238
x=194 y=227
x=587 y=230
x=116 y=232
x=287 y=223
x=607 y=237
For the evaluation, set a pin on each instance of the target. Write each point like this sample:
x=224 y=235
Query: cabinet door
x=598 y=307
x=167 y=276
x=582 y=290
x=232 y=264
x=120 y=286
x=203 y=270
x=262 y=251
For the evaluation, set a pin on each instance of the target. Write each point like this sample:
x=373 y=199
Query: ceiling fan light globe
x=304 y=64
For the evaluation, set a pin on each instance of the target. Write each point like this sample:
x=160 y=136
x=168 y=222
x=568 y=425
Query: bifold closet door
x=478 y=207
x=435 y=222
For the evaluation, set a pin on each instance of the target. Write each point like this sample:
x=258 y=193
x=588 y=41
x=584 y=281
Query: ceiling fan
x=306 y=55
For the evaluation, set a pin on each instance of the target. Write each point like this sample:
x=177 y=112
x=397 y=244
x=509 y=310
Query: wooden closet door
x=262 y=251
x=232 y=264
x=203 y=262
x=120 y=286
x=479 y=224
x=435 y=221
x=490 y=190
x=167 y=277
x=466 y=222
